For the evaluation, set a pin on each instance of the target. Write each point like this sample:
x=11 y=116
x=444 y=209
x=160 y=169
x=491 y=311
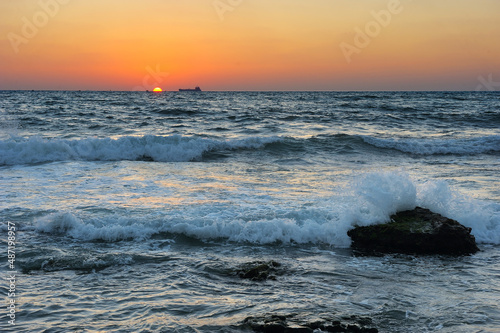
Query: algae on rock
x=417 y=231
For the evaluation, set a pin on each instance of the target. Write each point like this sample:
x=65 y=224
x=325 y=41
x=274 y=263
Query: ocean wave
x=347 y=143
x=177 y=148
x=372 y=199
x=427 y=146
x=173 y=148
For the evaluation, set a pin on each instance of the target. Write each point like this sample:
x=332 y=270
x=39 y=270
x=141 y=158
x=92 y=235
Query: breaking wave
x=177 y=148
x=372 y=199
x=173 y=148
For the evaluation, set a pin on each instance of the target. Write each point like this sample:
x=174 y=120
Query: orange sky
x=249 y=44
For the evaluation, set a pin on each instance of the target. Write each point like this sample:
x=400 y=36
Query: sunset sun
x=157 y=89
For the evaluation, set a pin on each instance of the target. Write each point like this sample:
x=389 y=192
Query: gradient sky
x=248 y=44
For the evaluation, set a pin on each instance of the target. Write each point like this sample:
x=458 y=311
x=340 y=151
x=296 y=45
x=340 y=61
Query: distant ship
x=195 y=89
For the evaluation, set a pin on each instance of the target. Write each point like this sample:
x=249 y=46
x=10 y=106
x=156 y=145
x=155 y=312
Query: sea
x=135 y=211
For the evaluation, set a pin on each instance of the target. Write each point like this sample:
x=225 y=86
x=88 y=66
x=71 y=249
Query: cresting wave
x=369 y=200
x=415 y=146
x=173 y=148
x=427 y=146
x=178 y=148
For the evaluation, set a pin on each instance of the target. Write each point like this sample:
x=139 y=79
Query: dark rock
x=294 y=324
x=417 y=231
x=259 y=271
x=268 y=324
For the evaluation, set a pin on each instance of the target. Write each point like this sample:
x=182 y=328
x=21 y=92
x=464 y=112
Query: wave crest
x=173 y=148
x=372 y=199
x=426 y=146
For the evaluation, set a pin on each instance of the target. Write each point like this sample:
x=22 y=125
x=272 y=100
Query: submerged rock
x=273 y=323
x=259 y=271
x=417 y=231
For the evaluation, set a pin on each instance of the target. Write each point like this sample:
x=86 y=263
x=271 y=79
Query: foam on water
x=370 y=199
x=176 y=148
x=173 y=148
x=108 y=230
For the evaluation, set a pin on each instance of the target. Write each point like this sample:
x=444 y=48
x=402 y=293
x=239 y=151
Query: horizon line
x=176 y=91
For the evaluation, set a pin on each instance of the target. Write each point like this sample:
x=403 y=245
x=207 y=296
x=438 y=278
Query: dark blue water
x=135 y=209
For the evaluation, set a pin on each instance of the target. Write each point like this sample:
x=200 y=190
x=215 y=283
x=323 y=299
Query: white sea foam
x=427 y=146
x=173 y=148
x=482 y=216
x=381 y=194
x=370 y=199
x=110 y=230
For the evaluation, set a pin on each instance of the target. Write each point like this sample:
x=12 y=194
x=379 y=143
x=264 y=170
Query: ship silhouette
x=195 y=89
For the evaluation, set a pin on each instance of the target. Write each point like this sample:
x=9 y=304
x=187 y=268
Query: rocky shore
x=418 y=231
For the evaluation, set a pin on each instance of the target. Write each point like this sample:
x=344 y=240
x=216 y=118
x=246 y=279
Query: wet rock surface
x=259 y=270
x=275 y=323
x=417 y=231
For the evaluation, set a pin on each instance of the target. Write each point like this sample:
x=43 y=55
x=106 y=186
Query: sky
x=257 y=45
